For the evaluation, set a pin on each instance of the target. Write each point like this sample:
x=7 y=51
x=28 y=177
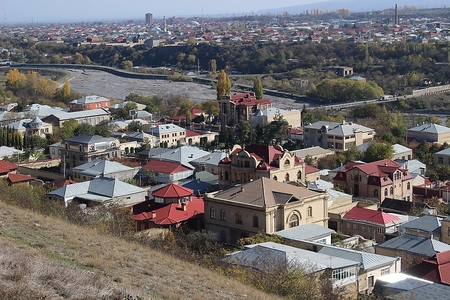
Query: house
x=209 y=162
x=307 y=232
x=376 y=180
x=371 y=266
x=257 y=161
x=266 y=116
x=19 y=179
x=402 y=152
x=123 y=104
x=411 y=245
x=313 y=154
x=426 y=226
x=168 y=171
x=272 y=256
x=6 y=152
x=263 y=205
x=368 y=223
x=103 y=168
x=337 y=136
x=169 y=206
x=200 y=138
x=99 y=191
x=7 y=167
x=78 y=150
x=169 y=135
x=92 y=117
x=32 y=127
x=442 y=157
x=89 y=103
x=435 y=269
x=404 y=286
x=240 y=105
x=406 y=207
x=429 y=132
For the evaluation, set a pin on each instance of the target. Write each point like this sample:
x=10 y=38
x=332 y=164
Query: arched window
x=221 y=175
x=408 y=185
x=299 y=175
x=294 y=221
x=391 y=190
x=375 y=193
x=226 y=175
x=275 y=178
x=286 y=177
x=385 y=192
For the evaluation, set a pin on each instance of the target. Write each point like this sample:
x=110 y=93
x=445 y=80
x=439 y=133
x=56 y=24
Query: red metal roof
x=268 y=153
x=174 y=213
x=6 y=167
x=166 y=167
x=15 y=178
x=310 y=170
x=191 y=133
x=172 y=191
x=369 y=215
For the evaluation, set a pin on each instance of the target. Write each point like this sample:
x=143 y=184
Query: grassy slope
x=42 y=256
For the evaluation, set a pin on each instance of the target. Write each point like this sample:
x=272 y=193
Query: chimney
x=183 y=206
x=153 y=215
x=242 y=189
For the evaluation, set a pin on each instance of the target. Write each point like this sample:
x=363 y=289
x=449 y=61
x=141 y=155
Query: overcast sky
x=42 y=11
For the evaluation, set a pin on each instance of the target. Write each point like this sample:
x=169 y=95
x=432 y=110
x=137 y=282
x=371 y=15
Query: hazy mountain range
x=357 y=5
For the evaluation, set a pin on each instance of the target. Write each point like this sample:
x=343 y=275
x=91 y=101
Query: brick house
x=376 y=180
x=236 y=106
x=89 y=103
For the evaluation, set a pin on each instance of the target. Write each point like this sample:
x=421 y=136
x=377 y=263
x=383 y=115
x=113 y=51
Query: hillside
x=44 y=257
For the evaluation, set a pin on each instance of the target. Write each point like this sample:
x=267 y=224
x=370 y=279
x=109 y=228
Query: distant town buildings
x=149 y=18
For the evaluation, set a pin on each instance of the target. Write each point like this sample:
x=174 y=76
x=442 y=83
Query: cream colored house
x=32 y=127
x=263 y=205
x=266 y=116
x=169 y=135
x=337 y=136
x=257 y=161
x=430 y=132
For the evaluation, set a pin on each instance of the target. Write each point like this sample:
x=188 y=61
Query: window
x=375 y=193
x=380 y=230
x=370 y=281
x=294 y=221
x=355 y=226
x=385 y=271
x=385 y=192
x=408 y=185
x=440 y=160
x=309 y=212
x=238 y=218
x=348 y=225
x=275 y=178
x=222 y=215
x=391 y=190
x=369 y=229
x=255 y=221
x=212 y=213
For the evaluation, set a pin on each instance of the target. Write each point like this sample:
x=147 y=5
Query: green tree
x=244 y=133
x=68 y=129
x=83 y=129
x=211 y=109
x=127 y=65
x=258 y=88
x=223 y=85
x=378 y=151
x=277 y=130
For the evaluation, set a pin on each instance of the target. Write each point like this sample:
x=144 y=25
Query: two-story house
x=257 y=161
x=376 y=180
x=266 y=116
x=338 y=136
x=81 y=149
x=429 y=132
x=92 y=117
x=32 y=127
x=169 y=135
x=89 y=103
x=263 y=205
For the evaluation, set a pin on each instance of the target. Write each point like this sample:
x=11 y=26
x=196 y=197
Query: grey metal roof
x=211 y=158
x=89 y=139
x=63 y=115
x=367 y=260
x=268 y=254
x=103 y=167
x=426 y=291
x=165 y=128
x=89 y=99
x=427 y=223
x=430 y=128
x=307 y=232
x=415 y=244
x=414 y=166
x=400 y=148
x=183 y=155
x=8 y=151
x=444 y=152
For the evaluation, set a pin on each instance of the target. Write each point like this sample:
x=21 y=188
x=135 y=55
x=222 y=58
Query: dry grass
x=44 y=257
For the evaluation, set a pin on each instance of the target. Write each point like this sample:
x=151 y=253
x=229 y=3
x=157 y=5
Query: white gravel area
x=92 y=82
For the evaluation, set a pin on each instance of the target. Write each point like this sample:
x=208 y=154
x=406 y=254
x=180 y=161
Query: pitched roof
x=265 y=192
x=430 y=128
x=267 y=152
x=415 y=244
x=427 y=223
x=101 y=167
x=372 y=216
x=89 y=139
x=307 y=232
x=172 y=191
x=436 y=269
x=165 y=167
x=15 y=178
x=6 y=167
x=63 y=115
x=270 y=254
x=174 y=213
